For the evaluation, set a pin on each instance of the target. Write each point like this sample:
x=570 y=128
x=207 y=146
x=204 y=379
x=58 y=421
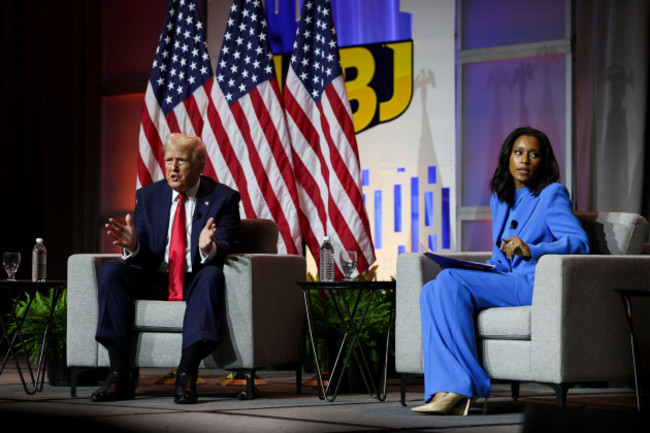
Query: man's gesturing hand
x=207 y=237
x=122 y=234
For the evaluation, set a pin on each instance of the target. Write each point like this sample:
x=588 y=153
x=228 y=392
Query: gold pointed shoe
x=425 y=408
x=462 y=407
x=445 y=405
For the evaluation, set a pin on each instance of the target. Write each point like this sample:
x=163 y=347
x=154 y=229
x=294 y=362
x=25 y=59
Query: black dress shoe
x=118 y=386
x=185 y=389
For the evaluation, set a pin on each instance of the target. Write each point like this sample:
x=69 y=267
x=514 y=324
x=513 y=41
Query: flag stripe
x=152 y=146
x=339 y=205
x=341 y=111
x=231 y=162
x=273 y=138
x=143 y=174
x=194 y=115
x=260 y=172
x=246 y=132
x=345 y=173
x=279 y=167
x=326 y=157
x=304 y=130
x=172 y=122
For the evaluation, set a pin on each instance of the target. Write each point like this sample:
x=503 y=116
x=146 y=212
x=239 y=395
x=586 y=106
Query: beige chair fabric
x=575 y=331
x=262 y=314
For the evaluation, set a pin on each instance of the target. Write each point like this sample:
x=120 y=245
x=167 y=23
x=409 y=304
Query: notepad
x=447 y=262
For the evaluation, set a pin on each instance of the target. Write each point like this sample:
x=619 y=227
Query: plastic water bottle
x=39 y=261
x=326 y=268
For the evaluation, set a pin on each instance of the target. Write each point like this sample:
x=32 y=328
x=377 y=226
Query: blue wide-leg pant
x=119 y=284
x=448 y=306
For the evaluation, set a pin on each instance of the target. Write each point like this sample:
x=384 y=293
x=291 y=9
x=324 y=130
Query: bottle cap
x=39 y=240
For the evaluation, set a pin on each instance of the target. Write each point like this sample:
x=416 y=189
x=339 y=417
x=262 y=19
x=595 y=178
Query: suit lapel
x=525 y=210
x=500 y=219
x=522 y=215
x=160 y=218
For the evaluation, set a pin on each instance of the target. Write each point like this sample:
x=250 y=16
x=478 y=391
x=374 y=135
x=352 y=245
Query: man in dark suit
x=174 y=247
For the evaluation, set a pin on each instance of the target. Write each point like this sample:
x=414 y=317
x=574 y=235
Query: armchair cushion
x=258 y=236
x=161 y=316
x=508 y=323
x=614 y=232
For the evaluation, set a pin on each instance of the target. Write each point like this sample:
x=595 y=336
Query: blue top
x=510 y=227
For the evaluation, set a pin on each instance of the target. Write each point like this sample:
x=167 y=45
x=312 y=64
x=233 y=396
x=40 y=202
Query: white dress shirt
x=190 y=204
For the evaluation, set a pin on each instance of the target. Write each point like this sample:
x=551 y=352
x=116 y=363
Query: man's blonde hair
x=199 y=153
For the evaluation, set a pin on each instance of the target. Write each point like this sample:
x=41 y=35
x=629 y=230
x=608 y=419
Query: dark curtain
x=50 y=78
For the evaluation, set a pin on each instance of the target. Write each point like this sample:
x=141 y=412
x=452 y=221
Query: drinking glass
x=11 y=262
x=348 y=263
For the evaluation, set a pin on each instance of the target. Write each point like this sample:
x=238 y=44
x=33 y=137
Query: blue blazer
x=151 y=221
x=545 y=222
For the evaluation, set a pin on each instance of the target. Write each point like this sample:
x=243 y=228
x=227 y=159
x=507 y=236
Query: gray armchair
x=574 y=332
x=262 y=314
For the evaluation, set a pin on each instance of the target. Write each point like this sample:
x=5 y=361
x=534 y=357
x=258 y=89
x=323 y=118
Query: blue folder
x=447 y=262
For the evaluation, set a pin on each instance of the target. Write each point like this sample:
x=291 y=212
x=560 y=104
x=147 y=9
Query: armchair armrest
x=578 y=326
x=82 y=314
x=264 y=310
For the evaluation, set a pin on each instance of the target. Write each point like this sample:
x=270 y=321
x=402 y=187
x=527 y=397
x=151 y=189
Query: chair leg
x=514 y=388
x=251 y=392
x=402 y=395
x=561 y=390
x=74 y=377
x=135 y=377
x=299 y=378
x=75 y=372
x=250 y=384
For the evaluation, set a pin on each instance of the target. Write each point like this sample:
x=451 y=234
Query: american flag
x=177 y=93
x=246 y=133
x=326 y=158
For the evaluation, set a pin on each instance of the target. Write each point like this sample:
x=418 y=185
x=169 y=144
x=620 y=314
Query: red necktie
x=177 y=252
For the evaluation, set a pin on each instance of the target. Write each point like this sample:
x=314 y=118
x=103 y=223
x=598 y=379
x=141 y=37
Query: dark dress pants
x=119 y=284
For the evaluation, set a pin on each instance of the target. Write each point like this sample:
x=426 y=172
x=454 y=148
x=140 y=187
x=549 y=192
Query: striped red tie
x=177 y=247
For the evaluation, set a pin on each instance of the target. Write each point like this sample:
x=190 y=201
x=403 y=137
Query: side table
x=351 y=314
x=626 y=295
x=15 y=292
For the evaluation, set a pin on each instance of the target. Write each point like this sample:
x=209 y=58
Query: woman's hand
x=515 y=247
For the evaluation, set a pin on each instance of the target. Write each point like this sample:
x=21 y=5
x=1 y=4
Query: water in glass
x=11 y=262
x=348 y=263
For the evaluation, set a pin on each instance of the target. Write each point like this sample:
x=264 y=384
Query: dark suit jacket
x=151 y=221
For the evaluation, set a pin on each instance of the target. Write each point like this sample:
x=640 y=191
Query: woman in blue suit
x=531 y=216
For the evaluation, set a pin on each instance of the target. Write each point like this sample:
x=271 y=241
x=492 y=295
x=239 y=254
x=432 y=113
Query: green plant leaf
x=34 y=312
x=328 y=328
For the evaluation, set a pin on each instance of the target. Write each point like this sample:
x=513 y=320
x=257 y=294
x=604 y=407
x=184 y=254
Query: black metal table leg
x=348 y=313
x=639 y=383
x=15 y=339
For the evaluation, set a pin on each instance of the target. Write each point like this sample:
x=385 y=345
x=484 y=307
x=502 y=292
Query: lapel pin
x=207 y=203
